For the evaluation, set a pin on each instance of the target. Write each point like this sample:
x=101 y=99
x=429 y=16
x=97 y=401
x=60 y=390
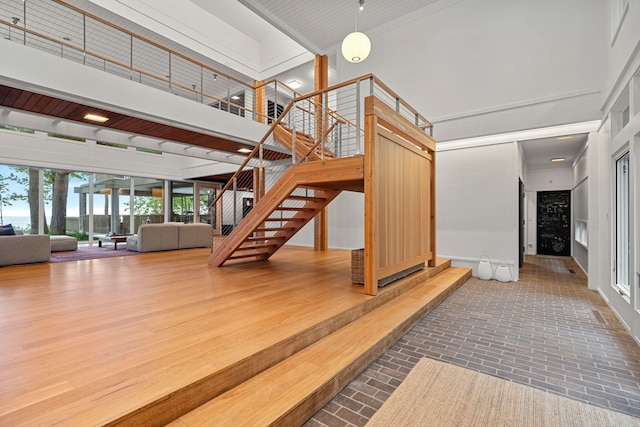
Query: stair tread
x=262 y=238
x=256 y=247
x=284 y=219
x=306 y=198
x=240 y=256
x=278 y=390
x=290 y=208
x=265 y=229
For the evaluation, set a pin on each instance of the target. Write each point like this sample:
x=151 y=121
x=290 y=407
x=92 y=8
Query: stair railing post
x=24 y=23
x=275 y=100
x=169 y=76
x=228 y=94
x=293 y=137
x=131 y=57
x=339 y=140
x=358 y=139
x=325 y=117
x=235 y=201
x=254 y=104
x=84 y=38
x=259 y=189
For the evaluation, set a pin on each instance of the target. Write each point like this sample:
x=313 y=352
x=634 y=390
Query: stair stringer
x=304 y=143
x=260 y=214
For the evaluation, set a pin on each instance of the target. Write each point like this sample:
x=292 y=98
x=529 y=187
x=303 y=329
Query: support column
x=321 y=221
x=259 y=101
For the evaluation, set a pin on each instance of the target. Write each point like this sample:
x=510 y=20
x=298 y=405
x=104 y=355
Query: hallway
x=547 y=331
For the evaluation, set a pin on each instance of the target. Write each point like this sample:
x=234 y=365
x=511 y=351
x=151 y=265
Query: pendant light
x=356 y=46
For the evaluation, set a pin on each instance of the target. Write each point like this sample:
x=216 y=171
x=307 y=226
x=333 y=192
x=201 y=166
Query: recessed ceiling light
x=294 y=84
x=244 y=150
x=96 y=118
x=558 y=159
x=235 y=97
x=562 y=138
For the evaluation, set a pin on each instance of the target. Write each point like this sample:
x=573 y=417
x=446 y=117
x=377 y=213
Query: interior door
x=554 y=215
x=521 y=223
x=206 y=213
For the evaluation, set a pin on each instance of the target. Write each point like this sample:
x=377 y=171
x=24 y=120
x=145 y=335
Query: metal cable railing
x=68 y=32
x=329 y=124
x=63 y=30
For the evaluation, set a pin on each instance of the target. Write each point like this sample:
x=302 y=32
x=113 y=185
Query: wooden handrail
x=253 y=153
x=125 y=66
x=306 y=97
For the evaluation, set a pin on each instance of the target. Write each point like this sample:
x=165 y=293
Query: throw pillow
x=7 y=230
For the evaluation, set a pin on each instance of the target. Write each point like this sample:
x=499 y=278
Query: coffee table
x=115 y=239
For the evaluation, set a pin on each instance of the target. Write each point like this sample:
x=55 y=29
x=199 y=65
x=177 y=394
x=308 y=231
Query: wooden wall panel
x=399 y=196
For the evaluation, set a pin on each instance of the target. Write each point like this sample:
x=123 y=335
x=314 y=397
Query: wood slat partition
x=399 y=194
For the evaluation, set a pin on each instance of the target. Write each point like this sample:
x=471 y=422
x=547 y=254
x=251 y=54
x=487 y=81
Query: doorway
x=554 y=215
x=206 y=212
x=521 y=223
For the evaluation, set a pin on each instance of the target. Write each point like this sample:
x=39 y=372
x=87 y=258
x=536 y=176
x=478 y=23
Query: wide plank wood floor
x=86 y=342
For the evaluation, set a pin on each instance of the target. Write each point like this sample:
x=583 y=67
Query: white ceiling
x=539 y=152
x=320 y=25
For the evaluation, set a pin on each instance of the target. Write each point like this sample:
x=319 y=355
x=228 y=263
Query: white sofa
x=24 y=249
x=170 y=236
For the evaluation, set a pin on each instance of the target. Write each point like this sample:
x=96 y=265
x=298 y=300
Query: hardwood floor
x=92 y=342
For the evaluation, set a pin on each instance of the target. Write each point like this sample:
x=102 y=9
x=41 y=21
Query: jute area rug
x=439 y=394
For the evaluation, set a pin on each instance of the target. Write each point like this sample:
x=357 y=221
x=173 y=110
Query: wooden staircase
x=280 y=213
x=305 y=144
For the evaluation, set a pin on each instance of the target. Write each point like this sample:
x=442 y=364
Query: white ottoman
x=63 y=243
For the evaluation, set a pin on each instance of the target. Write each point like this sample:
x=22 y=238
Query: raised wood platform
x=144 y=340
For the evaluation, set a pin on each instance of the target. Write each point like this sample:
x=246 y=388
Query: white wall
x=17 y=148
x=580 y=206
x=74 y=82
x=482 y=67
x=550 y=179
x=623 y=61
x=479 y=219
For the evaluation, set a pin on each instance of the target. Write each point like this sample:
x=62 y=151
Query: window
x=622 y=229
x=64 y=207
x=16 y=129
x=67 y=137
x=620 y=114
x=581 y=235
x=618 y=11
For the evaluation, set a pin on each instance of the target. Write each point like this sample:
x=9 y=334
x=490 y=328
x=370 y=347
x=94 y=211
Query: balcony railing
x=330 y=125
x=68 y=32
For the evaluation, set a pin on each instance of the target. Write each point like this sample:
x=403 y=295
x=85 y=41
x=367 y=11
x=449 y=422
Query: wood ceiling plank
x=22 y=99
x=33 y=101
x=47 y=105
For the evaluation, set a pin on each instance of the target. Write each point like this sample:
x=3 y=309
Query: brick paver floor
x=546 y=331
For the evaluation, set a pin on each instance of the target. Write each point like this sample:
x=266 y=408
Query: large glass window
x=147 y=202
x=19 y=186
x=207 y=213
x=111 y=204
x=618 y=11
x=622 y=229
x=64 y=204
x=182 y=205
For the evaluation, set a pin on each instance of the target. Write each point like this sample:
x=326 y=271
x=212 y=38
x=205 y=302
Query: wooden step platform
x=290 y=392
x=144 y=340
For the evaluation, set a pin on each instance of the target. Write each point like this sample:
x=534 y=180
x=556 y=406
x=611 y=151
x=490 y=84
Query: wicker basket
x=357 y=270
x=357 y=266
